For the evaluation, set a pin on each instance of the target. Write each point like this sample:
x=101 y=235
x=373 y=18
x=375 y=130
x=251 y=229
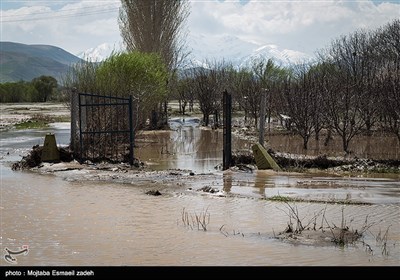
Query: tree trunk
x=305 y=142
x=345 y=144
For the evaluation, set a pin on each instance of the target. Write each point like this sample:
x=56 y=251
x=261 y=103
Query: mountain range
x=207 y=49
x=239 y=52
x=25 y=62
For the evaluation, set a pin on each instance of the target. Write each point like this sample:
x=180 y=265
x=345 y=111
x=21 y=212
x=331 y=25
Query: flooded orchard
x=74 y=217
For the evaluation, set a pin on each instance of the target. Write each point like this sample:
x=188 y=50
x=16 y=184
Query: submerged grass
x=30 y=124
x=299 y=229
x=41 y=121
x=286 y=199
x=281 y=198
x=194 y=220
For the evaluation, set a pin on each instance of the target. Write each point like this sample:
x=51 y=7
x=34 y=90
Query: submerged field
x=101 y=214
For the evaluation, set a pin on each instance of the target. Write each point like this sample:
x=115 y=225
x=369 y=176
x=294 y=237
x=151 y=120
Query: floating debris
x=208 y=189
x=153 y=192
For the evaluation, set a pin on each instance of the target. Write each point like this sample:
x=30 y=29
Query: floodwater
x=67 y=222
x=187 y=147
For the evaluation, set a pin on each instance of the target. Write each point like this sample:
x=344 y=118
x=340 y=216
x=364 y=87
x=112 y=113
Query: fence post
x=74 y=137
x=131 y=135
x=263 y=105
x=80 y=129
x=227 y=139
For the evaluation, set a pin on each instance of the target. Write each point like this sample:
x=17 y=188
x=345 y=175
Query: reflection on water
x=311 y=187
x=187 y=147
x=101 y=223
x=361 y=146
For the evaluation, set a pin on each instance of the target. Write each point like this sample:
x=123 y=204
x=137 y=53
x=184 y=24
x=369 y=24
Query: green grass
x=31 y=124
x=41 y=121
x=281 y=198
x=61 y=119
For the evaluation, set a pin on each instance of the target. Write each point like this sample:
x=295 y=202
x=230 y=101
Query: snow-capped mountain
x=237 y=51
x=280 y=56
x=100 y=52
x=205 y=48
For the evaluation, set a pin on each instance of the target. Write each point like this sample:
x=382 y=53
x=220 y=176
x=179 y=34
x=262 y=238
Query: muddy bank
x=242 y=181
x=292 y=162
x=34 y=158
x=246 y=162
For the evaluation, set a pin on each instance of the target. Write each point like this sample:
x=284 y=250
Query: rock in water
x=153 y=192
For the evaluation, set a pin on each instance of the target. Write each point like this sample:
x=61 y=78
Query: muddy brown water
x=104 y=223
x=360 y=146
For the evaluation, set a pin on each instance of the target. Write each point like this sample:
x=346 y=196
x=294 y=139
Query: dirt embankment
x=34 y=158
x=288 y=162
x=292 y=162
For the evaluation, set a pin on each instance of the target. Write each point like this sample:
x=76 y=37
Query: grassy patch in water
x=61 y=119
x=32 y=124
x=41 y=121
x=286 y=199
x=281 y=198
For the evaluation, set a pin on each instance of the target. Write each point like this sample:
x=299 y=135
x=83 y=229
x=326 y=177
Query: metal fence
x=104 y=128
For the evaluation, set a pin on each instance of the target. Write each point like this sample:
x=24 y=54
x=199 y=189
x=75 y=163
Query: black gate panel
x=105 y=128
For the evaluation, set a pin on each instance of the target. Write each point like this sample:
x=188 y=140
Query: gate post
x=74 y=140
x=227 y=139
x=80 y=129
x=131 y=135
x=261 y=129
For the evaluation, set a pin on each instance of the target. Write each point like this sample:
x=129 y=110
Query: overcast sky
x=299 y=25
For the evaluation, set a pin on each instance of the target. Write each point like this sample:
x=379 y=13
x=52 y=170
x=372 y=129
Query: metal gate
x=105 y=128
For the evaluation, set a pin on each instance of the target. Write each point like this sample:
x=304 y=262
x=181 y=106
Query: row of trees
x=352 y=88
x=40 y=89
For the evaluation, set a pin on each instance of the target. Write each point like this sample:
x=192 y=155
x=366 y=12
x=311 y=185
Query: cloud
x=73 y=26
x=101 y=28
x=300 y=25
x=305 y=25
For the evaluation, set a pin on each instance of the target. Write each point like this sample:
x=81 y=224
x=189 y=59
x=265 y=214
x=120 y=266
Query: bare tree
x=343 y=106
x=387 y=40
x=239 y=90
x=205 y=86
x=246 y=90
x=299 y=97
x=271 y=78
x=184 y=92
x=318 y=75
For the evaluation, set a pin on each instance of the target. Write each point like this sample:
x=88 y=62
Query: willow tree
x=135 y=74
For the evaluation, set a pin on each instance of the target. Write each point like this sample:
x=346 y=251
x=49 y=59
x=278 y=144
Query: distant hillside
x=25 y=62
